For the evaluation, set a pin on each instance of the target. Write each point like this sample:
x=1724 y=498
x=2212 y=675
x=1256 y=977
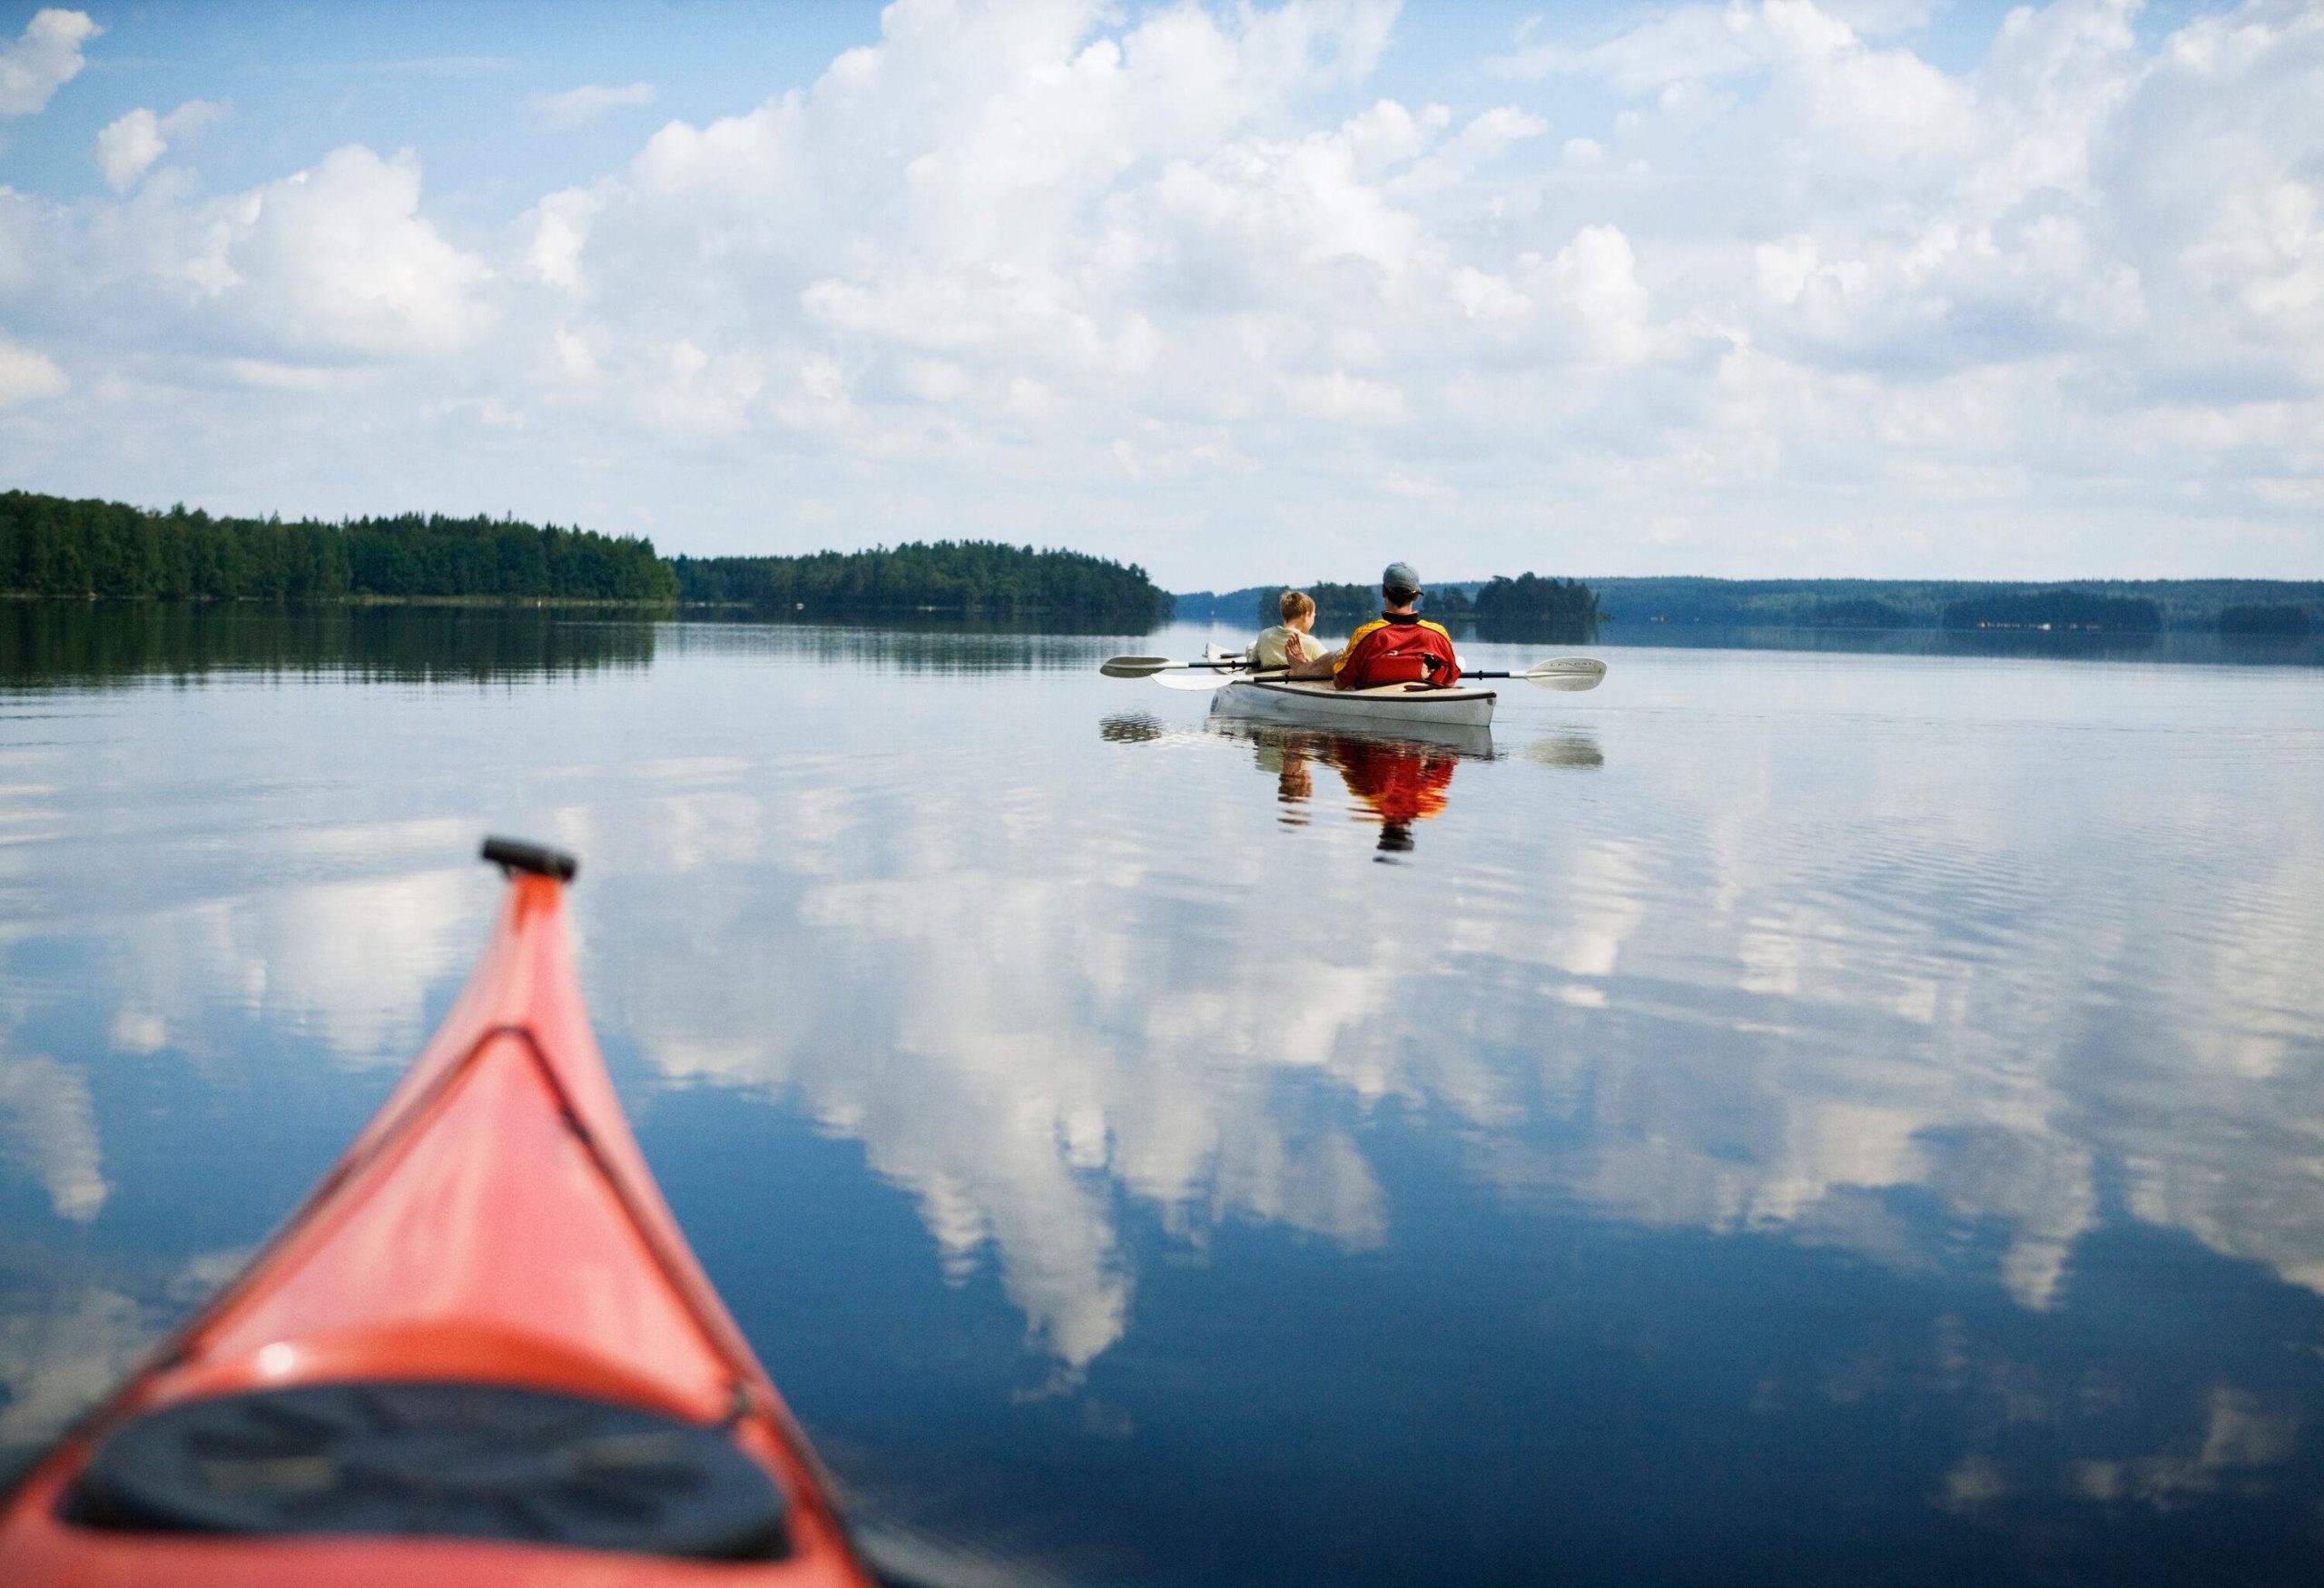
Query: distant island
x=54 y=547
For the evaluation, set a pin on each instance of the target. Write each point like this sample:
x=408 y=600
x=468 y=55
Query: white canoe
x=1388 y=709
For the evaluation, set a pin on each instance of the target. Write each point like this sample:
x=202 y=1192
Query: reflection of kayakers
x=1398 y=782
x=1403 y=782
x=1290 y=642
x=1399 y=646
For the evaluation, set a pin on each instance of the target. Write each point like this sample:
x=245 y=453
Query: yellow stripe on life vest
x=1352 y=641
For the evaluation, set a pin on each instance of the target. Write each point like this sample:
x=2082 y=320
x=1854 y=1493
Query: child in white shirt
x=1290 y=641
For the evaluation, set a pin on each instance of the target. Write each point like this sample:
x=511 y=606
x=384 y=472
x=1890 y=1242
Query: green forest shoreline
x=51 y=547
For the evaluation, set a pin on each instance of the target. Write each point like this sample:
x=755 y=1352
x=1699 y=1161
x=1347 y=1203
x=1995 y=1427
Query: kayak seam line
x=673 y=1272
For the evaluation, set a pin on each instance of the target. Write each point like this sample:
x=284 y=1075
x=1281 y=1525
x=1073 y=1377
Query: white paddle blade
x=1205 y=678
x=1566 y=673
x=1133 y=666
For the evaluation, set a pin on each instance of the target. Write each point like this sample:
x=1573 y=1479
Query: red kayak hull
x=494 y=1224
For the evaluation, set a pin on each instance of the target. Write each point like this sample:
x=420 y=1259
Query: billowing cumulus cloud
x=1182 y=285
x=327 y=269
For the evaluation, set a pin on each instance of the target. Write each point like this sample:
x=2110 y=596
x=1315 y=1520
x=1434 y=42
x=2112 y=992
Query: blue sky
x=1874 y=288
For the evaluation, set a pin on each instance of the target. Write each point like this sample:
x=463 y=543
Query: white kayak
x=1390 y=707
x=1462 y=740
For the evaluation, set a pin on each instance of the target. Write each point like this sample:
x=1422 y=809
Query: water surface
x=1781 y=1115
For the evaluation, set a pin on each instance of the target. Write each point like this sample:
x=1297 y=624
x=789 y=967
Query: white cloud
x=44 y=57
x=702 y=395
x=346 y=248
x=578 y=107
x=27 y=374
x=128 y=146
x=560 y=231
x=1342 y=396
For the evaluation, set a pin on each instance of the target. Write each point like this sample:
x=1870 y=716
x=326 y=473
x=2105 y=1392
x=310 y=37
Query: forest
x=944 y=576
x=2056 y=609
x=1529 y=598
x=50 y=546
x=2266 y=620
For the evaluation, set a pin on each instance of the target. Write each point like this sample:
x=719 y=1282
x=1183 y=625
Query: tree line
x=980 y=577
x=50 y=546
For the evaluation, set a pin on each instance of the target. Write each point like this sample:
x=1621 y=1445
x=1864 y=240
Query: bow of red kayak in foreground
x=480 y=1352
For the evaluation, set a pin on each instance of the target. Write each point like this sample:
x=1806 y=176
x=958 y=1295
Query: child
x=1289 y=641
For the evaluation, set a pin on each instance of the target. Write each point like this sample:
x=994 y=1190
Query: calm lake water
x=1782 y=1116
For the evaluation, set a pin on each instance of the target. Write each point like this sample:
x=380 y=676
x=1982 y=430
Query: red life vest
x=1397 y=648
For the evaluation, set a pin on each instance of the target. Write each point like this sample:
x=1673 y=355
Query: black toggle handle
x=513 y=855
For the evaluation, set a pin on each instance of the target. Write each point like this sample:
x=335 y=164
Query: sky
x=1241 y=293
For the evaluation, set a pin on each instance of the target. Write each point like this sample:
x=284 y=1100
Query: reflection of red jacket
x=1399 y=781
x=1395 y=650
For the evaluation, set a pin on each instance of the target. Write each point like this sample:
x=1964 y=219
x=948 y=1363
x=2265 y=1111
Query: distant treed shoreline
x=2249 y=607
x=53 y=546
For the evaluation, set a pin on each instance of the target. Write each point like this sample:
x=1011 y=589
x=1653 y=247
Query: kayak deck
x=481 y=1351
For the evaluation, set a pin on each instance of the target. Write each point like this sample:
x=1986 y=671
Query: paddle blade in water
x=1133 y=667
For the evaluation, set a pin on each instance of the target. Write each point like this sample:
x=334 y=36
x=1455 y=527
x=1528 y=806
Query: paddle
x=1564 y=672
x=1147 y=666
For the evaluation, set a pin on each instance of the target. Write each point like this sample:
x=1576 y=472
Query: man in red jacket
x=1399 y=646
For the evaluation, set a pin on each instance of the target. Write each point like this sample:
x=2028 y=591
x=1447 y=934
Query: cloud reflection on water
x=1020 y=1014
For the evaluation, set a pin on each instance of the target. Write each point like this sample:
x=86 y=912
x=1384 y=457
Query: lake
x=1784 y=1116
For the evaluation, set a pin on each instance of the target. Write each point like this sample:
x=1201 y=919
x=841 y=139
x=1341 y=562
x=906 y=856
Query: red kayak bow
x=481 y=1353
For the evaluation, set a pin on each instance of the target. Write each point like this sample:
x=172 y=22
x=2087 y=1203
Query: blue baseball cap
x=1399 y=576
